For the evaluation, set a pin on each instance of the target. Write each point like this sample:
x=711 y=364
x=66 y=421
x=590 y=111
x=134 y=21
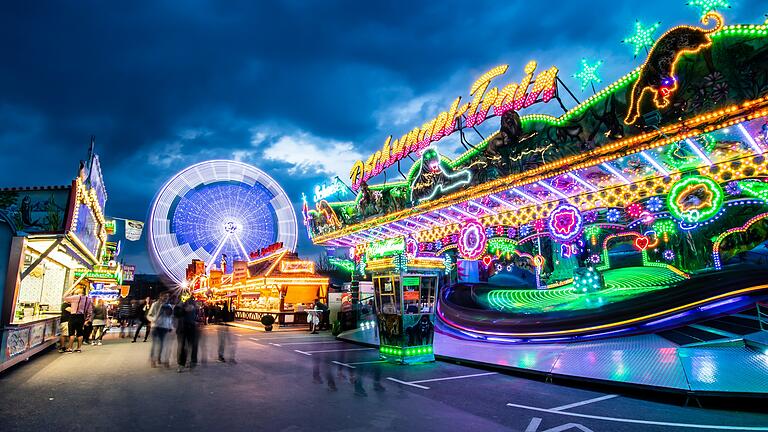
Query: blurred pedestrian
x=227 y=345
x=82 y=313
x=141 y=315
x=160 y=316
x=124 y=316
x=99 y=321
x=66 y=309
x=187 y=333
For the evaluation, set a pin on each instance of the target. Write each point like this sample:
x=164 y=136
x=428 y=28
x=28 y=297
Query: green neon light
x=643 y=37
x=501 y=246
x=385 y=248
x=621 y=284
x=588 y=73
x=405 y=352
x=96 y=275
x=344 y=264
x=664 y=226
x=695 y=199
x=411 y=281
x=755 y=189
x=707 y=6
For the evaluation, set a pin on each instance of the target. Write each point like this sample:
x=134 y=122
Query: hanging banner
x=133 y=230
x=128 y=272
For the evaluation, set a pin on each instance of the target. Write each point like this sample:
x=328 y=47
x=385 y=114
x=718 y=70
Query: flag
x=128 y=272
x=133 y=230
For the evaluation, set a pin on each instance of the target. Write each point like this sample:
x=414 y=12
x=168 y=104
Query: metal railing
x=762 y=315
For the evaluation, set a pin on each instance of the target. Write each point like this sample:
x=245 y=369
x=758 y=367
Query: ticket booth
x=405 y=303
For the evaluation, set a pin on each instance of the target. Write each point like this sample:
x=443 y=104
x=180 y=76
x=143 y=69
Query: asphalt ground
x=294 y=381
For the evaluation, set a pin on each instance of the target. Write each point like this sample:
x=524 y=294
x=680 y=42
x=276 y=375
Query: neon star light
x=565 y=222
x=588 y=74
x=708 y=6
x=643 y=37
x=695 y=199
x=472 y=240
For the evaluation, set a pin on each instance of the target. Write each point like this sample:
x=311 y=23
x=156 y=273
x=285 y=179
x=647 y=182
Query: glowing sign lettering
x=385 y=248
x=513 y=96
x=323 y=191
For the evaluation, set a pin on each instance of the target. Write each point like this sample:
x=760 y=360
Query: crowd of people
x=85 y=320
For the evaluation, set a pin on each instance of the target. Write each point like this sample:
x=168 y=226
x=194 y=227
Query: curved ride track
x=486 y=311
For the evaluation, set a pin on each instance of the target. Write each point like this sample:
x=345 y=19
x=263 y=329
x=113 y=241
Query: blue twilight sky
x=300 y=89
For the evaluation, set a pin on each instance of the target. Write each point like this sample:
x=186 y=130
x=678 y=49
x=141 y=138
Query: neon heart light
x=487 y=260
x=565 y=223
x=641 y=243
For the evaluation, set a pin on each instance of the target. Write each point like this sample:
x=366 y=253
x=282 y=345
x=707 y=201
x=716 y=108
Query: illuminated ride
x=643 y=207
x=218 y=212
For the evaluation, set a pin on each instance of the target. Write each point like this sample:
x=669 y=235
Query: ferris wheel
x=217 y=210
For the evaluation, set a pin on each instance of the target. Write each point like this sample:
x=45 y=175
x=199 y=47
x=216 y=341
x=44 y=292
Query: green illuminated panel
x=621 y=284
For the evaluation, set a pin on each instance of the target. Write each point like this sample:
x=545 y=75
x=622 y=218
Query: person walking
x=99 y=322
x=82 y=313
x=186 y=315
x=143 y=321
x=160 y=316
x=124 y=317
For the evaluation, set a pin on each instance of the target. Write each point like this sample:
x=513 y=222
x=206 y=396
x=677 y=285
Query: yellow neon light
x=747 y=110
x=661 y=96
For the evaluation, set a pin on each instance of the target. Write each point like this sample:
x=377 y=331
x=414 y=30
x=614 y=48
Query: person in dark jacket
x=143 y=321
x=187 y=333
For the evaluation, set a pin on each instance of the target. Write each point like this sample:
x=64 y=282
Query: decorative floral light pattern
x=655 y=204
x=695 y=199
x=613 y=215
x=472 y=240
x=565 y=222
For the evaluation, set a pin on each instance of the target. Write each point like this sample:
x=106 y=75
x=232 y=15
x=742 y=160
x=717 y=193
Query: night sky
x=300 y=89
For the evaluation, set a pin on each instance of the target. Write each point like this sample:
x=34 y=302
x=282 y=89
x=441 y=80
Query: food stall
x=46 y=235
x=278 y=284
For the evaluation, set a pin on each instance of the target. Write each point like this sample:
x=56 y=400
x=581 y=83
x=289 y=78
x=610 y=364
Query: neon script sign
x=385 y=248
x=514 y=96
x=323 y=191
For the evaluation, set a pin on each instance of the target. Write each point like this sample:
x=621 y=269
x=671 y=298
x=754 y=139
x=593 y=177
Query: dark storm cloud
x=166 y=84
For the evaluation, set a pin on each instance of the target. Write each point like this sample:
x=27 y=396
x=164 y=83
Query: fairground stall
x=47 y=235
x=273 y=282
x=641 y=208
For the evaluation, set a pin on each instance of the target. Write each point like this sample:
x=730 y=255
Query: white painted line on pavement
x=302 y=352
x=585 y=402
x=304 y=343
x=454 y=377
x=367 y=362
x=416 y=383
x=407 y=383
x=343 y=364
x=646 y=422
x=339 y=350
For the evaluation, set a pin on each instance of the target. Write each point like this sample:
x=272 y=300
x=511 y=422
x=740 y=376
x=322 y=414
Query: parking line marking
x=302 y=352
x=408 y=383
x=339 y=350
x=636 y=421
x=343 y=364
x=367 y=362
x=454 y=377
x=304 y=343
x=585 y=402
